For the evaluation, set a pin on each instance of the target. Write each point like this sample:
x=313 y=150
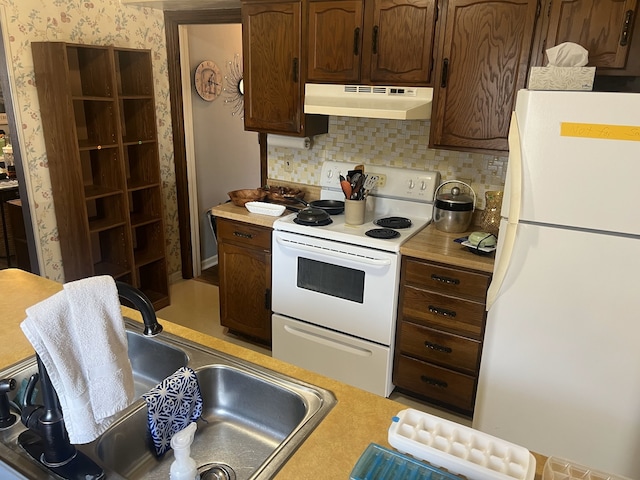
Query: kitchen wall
x=96 y=22
x=394 y=143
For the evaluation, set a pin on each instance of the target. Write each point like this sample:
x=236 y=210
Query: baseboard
x=209 y=262
x=175 y=277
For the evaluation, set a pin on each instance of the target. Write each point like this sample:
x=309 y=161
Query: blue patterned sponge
x=172 y=405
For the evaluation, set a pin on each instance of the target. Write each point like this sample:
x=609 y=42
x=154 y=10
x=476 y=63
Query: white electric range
x=335 y=287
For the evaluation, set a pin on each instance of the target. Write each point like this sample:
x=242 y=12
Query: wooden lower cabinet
x=441 y=320
x=244 y=262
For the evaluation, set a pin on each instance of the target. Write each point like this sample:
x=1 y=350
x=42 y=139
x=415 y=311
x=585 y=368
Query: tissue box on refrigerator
x=561 y=78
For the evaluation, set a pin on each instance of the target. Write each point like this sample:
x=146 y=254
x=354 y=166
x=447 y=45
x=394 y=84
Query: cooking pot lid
x=454 y=200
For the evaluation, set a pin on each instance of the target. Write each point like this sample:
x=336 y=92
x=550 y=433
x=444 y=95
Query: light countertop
x=331 y=450
x=434 y=245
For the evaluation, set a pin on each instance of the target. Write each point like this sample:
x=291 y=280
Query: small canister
x=453 y=211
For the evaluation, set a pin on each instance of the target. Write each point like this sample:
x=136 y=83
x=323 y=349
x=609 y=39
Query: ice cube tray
x=561 y=469
x=379 y=463
x=459 y=449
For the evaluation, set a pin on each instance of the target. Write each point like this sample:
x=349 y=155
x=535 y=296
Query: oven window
x=334 y=280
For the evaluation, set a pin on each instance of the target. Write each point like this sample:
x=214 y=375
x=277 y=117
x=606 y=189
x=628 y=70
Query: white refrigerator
x=560 y=368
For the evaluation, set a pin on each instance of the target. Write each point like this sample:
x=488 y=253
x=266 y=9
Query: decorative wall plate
x=208 y=80
x=234 y=86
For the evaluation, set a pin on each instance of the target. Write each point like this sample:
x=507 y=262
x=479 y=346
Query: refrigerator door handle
x=515 y=200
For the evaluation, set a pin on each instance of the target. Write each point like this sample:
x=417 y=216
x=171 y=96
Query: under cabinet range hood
x=369 y=101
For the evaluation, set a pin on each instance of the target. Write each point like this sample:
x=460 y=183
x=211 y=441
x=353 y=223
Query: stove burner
x=393 y=222
x=384 y=233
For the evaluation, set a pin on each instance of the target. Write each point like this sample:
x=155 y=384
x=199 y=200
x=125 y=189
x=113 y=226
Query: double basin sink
x=253 y=418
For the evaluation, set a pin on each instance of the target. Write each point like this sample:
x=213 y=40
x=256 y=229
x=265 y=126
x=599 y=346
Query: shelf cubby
x=148 y=243
x=89 y=70
x=138 y=119
x=153 y=283
x=95 y=123
x=101 y=167
x=141 y=164
x=105 y=212
x=133 y=73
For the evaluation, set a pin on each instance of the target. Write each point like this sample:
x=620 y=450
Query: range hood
x=400 y=103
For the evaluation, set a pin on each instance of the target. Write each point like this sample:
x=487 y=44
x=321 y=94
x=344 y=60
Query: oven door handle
x=374 y=262
x=352 y=349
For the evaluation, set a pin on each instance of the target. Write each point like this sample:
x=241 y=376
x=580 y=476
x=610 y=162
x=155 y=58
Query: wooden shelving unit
x=99 y=124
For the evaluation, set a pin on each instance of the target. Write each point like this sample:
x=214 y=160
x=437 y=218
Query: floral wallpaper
x=95 y=22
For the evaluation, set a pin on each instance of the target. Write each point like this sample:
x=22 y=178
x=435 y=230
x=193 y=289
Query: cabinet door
x=245 y=290
x=483 y=63
x=335 y=41
x=271 y=44
x=401 y=41
x=603 y=27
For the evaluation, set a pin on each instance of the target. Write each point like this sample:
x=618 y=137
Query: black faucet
x=142 y=303
x=6 y=417
x=46 y=439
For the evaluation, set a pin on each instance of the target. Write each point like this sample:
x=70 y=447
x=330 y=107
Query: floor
x=195 y=304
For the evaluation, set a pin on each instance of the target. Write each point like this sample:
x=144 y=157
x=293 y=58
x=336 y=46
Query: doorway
x=173 y=21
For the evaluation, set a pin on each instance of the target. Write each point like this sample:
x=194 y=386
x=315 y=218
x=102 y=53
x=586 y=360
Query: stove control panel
x=402 y=183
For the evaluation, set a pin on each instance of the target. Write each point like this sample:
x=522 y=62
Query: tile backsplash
x=393 y=143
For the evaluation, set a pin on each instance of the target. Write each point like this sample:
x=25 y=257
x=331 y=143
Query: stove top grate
x=393 y=222
x=383 y=233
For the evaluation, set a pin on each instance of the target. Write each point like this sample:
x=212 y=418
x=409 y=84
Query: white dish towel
x=80 y=337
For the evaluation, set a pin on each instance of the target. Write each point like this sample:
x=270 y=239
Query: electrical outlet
x=288 y=165
x=382 y=181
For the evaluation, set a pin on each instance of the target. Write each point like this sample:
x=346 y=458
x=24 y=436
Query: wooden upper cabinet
x=486 y=47
x=401 y=41
x=271 y=42
x=603 y=27
x=335 y=40
x=380 y=42
x=275 y=70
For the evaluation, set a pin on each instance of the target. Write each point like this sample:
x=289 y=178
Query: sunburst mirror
x=234 y=86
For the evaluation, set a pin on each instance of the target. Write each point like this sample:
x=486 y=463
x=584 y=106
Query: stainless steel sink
x=152 y=360
x=253 y=418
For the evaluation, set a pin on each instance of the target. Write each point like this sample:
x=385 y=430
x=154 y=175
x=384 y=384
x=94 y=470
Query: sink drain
x=216 y=471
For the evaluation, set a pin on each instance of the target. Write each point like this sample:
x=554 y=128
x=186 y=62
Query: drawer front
x=449 y=281
x=442 y=348
x=244 y=234
x=462 y=317
x=440 y=384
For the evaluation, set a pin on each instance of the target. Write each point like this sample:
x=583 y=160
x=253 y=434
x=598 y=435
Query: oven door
x=346 y=288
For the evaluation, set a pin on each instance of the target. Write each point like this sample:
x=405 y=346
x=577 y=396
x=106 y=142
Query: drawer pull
x=433 y=382
x=437 y=348
x=447 y=280
x=242 y=234
x=442 y=311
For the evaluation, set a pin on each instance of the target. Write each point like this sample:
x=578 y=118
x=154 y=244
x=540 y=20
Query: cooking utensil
x=332 y=207
x=313 y=217
x=370 y=183
x=452 y=212
x=346 y=187
x=357 y=192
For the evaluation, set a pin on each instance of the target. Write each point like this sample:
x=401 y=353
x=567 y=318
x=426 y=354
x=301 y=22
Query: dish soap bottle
x=184 y=467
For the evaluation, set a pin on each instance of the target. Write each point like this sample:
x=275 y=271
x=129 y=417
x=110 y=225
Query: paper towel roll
x=303 y=143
